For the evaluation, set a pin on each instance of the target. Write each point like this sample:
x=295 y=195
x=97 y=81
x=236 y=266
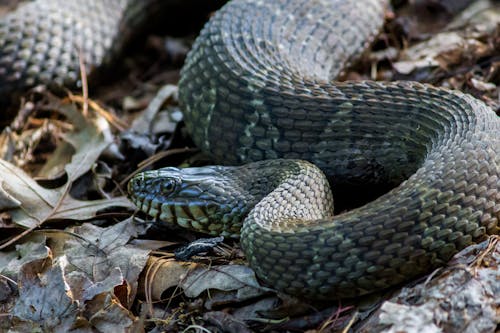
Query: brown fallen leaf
x=30 y=204
x=238 y=278
x=460 y=41
x=32 y=249
x=44 y=297
x=80 y=147
x=99 y=251
x=160 y=275
x=86 y=278
x=463 y=297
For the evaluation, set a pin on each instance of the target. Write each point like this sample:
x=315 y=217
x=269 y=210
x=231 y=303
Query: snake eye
x=168 y=186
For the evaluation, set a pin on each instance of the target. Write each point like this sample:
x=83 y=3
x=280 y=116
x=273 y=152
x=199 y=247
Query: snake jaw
x=196 y=198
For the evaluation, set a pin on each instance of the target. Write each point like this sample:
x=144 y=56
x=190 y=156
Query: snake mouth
x=193 y=198
x=184 y=213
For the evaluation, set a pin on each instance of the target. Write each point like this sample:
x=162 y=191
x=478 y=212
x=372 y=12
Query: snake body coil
x=259 y=85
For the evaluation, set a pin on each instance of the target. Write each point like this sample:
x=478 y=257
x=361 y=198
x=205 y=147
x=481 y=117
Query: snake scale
x=258 y=90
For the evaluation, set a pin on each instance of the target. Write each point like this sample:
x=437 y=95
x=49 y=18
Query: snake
x=260 y=94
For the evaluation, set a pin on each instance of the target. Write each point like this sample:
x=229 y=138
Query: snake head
x=203 y=199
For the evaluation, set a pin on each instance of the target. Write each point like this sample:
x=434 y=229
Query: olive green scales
x=259 y=84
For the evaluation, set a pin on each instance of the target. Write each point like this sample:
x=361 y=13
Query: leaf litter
x=83 y=264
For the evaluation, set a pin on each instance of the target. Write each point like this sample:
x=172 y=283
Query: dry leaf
x=227 y=278
x=44 y=296
x=462 y=297
x=36 y=204
x=100 y=251
x=162 y=274
x=461 y=40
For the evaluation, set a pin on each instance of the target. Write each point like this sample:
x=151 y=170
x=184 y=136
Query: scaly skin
x=258 y=85
x=42 y=41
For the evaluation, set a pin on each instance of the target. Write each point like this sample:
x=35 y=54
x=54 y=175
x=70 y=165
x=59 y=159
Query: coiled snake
x=259 y=84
